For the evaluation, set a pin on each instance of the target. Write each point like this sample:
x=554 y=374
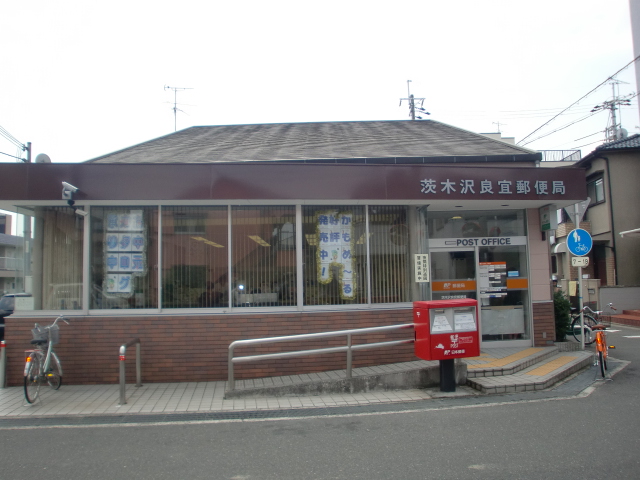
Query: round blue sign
x=579 y=242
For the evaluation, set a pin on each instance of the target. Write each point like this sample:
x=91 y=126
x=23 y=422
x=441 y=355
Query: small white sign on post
x=421 y=267
x=579 y=261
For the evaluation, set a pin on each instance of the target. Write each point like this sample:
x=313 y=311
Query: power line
x=10 y=137
x=581 y=98
x=12 y=156
x=591 y=114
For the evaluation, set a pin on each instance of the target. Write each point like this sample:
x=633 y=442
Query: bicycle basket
x=46 y=333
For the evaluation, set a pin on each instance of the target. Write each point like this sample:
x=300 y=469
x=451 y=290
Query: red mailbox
x=446 y=329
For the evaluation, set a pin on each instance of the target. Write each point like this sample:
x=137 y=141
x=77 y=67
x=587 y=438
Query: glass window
x=453 y=274
x=56 y=258
x=595 y=191
x=263 y=256
x=12 y=260
x=335 y=255
x=388 y=246
x=124 y=252
x=504 y=294
x=509 y=223
x=195 y=257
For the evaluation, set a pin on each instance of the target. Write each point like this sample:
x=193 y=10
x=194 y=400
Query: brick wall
x=543 y=323
x=195 y=347
x=611 y=270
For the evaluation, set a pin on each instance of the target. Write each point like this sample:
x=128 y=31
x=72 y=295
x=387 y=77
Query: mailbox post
x=446 y=330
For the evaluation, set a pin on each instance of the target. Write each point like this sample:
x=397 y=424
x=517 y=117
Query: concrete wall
x=623 y=298
x=625 y=194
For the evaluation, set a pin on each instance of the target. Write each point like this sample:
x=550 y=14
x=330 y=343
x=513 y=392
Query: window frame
x=592 y=185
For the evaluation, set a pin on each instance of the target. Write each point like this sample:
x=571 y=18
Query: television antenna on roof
x=175 y=103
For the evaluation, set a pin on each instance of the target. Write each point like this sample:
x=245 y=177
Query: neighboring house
x=612 y=172
x=10 y=258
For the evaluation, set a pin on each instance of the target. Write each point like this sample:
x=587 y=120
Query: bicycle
x=602 y=349
x=42 y=362
x=591 y=319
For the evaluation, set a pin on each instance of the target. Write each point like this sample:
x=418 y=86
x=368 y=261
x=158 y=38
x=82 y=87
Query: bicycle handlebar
x=60 y=318
x=586 y=309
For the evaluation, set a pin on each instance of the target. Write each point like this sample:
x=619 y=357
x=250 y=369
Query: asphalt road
x=517 y=437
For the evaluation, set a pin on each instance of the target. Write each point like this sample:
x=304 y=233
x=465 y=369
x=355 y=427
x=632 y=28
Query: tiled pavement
x=526 y=366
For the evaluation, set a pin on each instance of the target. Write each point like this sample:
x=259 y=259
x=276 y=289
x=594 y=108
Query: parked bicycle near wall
x=591 y=319
x=42 y=362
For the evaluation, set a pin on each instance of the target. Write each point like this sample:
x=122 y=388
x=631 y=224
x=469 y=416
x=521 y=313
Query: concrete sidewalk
x=506 y=367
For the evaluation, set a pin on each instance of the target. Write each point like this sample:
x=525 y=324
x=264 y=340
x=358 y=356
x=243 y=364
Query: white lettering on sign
x=485 y=241
x=503 y=187
x=455 y=352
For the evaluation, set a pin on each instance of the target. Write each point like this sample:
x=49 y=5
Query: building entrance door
x=453 y=273
x=496 y=277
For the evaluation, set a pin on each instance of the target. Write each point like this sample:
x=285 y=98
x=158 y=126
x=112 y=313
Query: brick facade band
x=194 y=348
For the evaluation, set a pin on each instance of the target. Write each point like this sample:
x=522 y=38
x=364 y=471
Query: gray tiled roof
x=630 y=142
x=371 y=142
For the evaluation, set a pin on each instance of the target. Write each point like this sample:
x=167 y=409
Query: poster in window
x=124 y=251
x=335 y=247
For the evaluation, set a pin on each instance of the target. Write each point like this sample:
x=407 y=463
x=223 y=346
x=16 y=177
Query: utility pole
x=614 y=132
x=412 y=104
x=175 y=103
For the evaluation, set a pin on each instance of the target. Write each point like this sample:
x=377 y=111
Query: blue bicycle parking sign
x=579 y=242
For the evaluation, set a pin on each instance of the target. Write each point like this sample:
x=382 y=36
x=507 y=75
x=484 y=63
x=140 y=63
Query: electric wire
x=574 y=103
x=12 y=156
x=10 y=137
x=563 y=127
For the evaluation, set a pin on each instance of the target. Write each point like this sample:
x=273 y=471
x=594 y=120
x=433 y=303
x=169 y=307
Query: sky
x=82 y=79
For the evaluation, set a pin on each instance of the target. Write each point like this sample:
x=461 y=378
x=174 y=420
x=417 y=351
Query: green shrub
x=562 y=311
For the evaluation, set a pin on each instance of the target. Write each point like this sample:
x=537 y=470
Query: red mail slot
x=446 y=329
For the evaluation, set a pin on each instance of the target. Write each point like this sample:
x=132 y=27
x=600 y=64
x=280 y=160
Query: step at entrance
x=542 y=374
x=506 y=361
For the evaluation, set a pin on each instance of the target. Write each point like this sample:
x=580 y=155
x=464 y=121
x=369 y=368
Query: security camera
x=68 y=186
x=68 y=190
x=80 y=212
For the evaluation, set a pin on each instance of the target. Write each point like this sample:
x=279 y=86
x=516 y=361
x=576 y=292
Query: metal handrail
x=306 y=336
x=123 y=379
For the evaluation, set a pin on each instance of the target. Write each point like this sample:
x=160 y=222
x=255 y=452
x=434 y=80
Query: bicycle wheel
x=33 y=378
x=54 y=375
x=603 y=366
x=589 y=323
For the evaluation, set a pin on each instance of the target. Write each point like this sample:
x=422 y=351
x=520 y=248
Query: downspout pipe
x=613 y=229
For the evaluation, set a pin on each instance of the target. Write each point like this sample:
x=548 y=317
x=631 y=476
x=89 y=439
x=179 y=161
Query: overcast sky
x=81 y=79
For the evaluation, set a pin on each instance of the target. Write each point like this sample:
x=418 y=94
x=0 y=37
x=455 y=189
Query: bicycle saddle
x=38 y=342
